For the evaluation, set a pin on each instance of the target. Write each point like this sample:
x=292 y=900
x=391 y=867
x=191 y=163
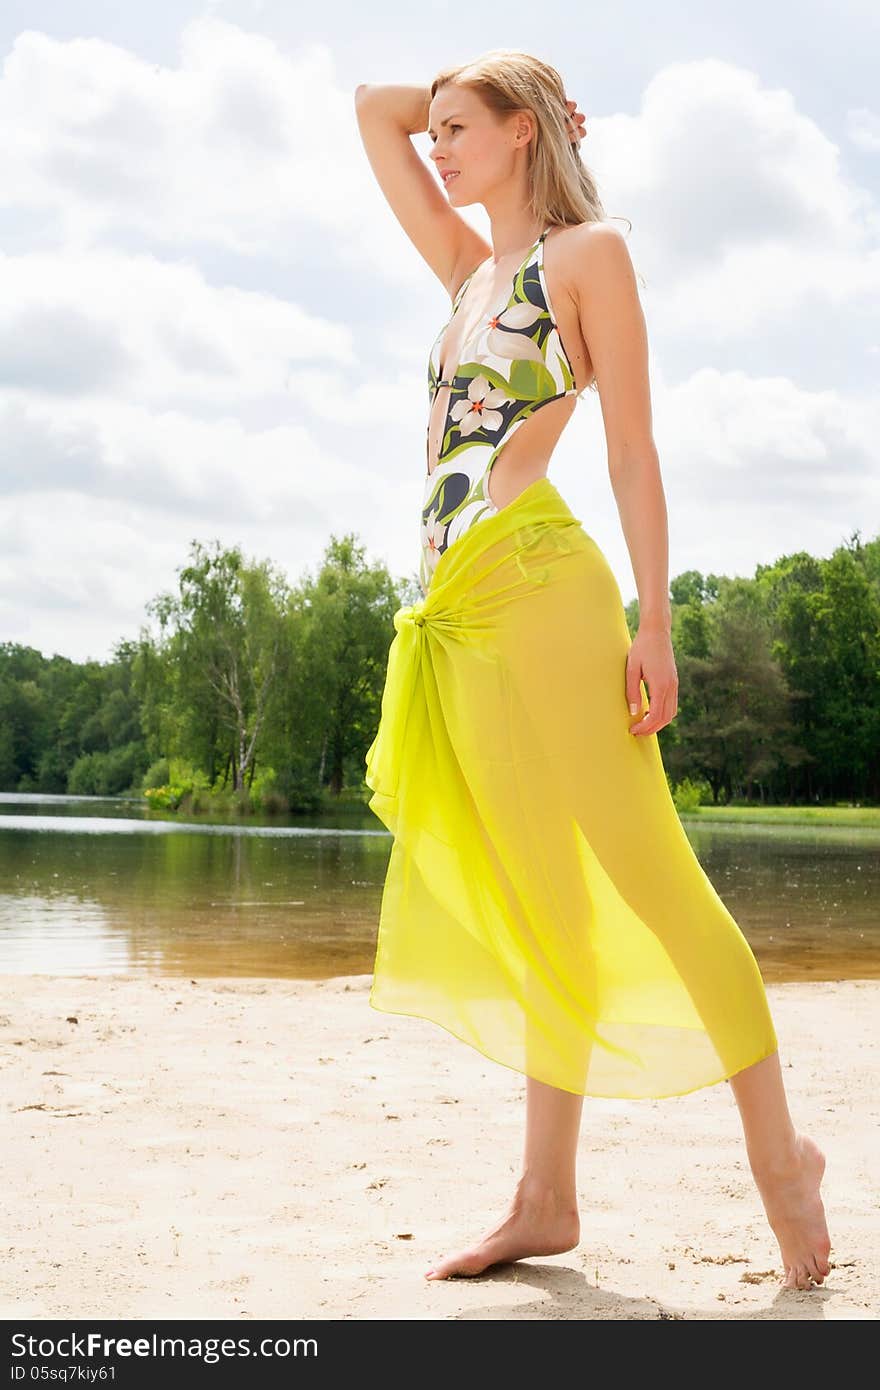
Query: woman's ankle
x=551 y=1192
x=783 y=1161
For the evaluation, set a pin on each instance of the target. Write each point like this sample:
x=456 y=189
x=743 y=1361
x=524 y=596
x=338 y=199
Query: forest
x=242 y=689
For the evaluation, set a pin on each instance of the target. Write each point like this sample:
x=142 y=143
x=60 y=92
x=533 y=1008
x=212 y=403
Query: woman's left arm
x=613 y=326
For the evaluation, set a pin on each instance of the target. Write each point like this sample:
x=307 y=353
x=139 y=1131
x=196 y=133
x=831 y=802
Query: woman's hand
x=576 y=122
x=651 y=659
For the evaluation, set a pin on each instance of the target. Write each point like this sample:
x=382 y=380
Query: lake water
x=93 y=886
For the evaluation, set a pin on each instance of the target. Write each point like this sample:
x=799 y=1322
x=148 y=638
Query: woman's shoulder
x=588 y=251
x=577 y=235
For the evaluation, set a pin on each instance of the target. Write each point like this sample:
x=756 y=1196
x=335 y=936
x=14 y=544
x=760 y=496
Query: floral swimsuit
x=513 y=363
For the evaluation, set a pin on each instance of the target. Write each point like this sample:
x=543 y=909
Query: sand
x=240 y=1149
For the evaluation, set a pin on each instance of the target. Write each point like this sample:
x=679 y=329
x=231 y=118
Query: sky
x=213 y=327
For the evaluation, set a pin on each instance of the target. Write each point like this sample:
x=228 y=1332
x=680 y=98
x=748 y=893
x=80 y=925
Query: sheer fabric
x=542 y=901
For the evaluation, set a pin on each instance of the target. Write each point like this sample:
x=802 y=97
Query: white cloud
x=863 y=128
x=739 y=444
x=135 y=327
x=239 y=145
x=215 y=326
x=739 y=205
x=753 y=468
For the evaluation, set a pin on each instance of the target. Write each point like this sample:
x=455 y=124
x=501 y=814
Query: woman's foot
x=797 y=1216
x=534 y=1225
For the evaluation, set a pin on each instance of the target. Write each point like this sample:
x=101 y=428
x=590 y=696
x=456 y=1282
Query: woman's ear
x=524 y=127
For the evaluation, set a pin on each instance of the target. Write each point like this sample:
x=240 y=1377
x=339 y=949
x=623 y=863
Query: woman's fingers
x=662 y=709
x=650 y=658
x=651 y=724
x=576 y=121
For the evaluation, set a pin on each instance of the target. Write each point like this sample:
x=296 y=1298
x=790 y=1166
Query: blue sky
x=213 y=326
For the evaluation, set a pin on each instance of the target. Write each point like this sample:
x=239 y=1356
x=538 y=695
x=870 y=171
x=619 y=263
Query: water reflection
x=120 y=890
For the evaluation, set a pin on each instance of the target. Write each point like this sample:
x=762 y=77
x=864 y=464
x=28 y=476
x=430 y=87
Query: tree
x=224 y=634
x=736 y=728
x=345 y=616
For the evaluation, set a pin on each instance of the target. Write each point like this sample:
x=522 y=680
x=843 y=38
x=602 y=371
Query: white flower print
x=465 y=518
x=433 y=533
x=488 y=340
x=515 y=346
x=478 y=411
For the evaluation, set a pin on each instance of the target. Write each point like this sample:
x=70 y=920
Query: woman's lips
x=450 y=175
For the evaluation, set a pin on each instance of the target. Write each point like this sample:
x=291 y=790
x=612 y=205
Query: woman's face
x=473 y=150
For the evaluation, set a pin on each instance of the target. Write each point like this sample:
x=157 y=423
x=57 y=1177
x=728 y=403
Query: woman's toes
x=816 y=1270
x=804 y=1277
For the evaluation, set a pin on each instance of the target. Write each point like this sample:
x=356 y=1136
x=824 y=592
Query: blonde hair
x=562 y=191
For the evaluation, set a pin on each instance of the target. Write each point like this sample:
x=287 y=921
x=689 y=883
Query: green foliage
x=779 y=679
x=158 y=774
x=298 y=789
x=185 y=785
x=54 y=713
x=107 y=774
x=256 y=697
x=340 y=625
x=689 y=794
x=166 y=798
x=220 y=644
x=265 y=794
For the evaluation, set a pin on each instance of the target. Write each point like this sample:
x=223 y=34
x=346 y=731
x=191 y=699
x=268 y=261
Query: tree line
x=241 y=683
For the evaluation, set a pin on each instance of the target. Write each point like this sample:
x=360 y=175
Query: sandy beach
x=277 y=1149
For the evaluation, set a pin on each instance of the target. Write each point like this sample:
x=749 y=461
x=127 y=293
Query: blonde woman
x=542 y=901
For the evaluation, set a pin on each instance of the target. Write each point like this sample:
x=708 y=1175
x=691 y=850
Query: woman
x=542 y=901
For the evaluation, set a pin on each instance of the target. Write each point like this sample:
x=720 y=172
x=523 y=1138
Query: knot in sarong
x=412 y=613
x=472 y=597
x=402 y=681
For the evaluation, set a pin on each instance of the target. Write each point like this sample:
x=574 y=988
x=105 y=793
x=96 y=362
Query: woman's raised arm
x=387 y=116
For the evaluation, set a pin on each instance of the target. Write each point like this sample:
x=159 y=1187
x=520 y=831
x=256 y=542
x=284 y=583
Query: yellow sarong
x=542 y=901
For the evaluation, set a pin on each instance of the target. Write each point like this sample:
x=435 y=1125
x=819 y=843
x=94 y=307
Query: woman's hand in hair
x=576 y=122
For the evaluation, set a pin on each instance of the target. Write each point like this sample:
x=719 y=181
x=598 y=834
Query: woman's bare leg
x=787 y=1167
x=543 y=1216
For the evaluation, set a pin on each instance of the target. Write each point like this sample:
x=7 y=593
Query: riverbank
x=819 y=817
x=278 y=1149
